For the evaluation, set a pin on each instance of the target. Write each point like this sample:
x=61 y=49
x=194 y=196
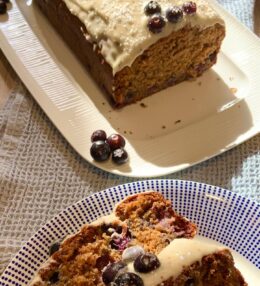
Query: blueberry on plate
x=98 y=135
x=100 y=151
x=119 y=156
x=115 y=141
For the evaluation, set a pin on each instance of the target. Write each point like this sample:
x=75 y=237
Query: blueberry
x=132 y=252
x=156 y=24
x=100 y=151
x=189 y=8
x=128 y=279
x=146 y=262
x=3 y=7
x=111 y=270
x=119 y=156
x=190 y=282
x=115 y=141
x=120 y=243
x=54 y=247
x=152 y=8
x=174 y=14
x=98 y=135
x=54 y=277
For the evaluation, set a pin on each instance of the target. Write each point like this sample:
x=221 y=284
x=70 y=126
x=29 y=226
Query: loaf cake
x=136 y=48
x=142 y=243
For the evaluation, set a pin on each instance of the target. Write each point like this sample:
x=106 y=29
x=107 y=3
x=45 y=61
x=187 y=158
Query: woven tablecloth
x=41 y=174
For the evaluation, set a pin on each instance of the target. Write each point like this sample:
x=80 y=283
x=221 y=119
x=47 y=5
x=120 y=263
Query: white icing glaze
x=105 y=220
x=119 y=27
x=173 y=258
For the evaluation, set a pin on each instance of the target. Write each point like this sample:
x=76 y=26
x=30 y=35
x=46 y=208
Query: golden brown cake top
x=123 y=29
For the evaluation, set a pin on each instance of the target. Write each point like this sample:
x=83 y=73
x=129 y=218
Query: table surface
x=8 y=80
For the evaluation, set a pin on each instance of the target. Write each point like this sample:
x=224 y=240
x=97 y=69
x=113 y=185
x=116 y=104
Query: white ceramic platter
x=222 y=218
x=182 y=126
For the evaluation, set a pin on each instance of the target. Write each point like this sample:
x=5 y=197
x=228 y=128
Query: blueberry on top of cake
x=119 y=27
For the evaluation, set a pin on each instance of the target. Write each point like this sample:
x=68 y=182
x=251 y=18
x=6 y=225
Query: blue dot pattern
x=220 y=215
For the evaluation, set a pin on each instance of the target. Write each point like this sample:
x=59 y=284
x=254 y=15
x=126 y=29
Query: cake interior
x=184 y=55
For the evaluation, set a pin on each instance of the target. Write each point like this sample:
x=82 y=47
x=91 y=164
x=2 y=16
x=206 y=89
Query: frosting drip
x=105 y=219
x=178 y=254
x=119 y=27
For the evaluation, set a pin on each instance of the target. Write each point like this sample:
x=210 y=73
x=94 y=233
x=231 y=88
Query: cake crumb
x=163 y=127
x=143 y=105
x=218 y=78
x=103 y=103
x=199 y=83
x=125 y=132
x=130 y=132
x=233 y=90
x=193 y=99
x=177 y=121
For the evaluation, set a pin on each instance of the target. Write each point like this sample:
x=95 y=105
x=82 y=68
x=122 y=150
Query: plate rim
x=135 y=187
x=154 y=170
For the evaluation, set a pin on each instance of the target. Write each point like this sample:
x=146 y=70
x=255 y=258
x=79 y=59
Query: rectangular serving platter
x=165 y=133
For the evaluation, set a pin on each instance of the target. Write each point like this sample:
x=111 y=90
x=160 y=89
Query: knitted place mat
x=41 y=174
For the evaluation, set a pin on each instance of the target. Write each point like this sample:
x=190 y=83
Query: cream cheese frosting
x=119 y=27
x=178 y=254
x=105 y=219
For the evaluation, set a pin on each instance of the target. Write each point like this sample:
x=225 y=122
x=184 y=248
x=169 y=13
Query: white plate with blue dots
x=222 y=217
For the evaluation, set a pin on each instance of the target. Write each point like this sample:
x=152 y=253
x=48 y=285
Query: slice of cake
x=143 y=243
x=136 y=48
